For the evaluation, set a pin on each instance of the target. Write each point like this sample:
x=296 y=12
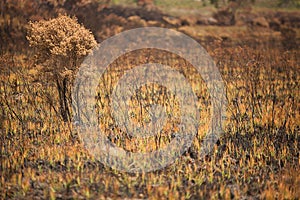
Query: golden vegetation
x=257 y=156
x=39 y=157
x=60 y=45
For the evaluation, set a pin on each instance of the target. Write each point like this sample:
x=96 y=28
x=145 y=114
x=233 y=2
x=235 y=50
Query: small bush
x=60 y=39
x=60 y=45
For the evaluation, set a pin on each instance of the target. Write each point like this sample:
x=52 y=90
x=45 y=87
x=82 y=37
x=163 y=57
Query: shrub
x=60 y=44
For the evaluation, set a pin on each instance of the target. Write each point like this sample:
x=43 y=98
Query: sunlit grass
x=258 y=155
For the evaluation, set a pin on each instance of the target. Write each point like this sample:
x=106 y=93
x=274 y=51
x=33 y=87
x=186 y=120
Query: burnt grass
x=257 y=157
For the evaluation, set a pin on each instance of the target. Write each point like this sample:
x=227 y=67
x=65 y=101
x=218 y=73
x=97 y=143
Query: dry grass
x=258 y=155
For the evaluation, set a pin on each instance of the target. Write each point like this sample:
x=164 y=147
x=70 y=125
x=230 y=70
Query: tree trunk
x=62 y=86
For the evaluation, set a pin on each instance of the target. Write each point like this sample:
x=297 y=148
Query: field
x=257 y=156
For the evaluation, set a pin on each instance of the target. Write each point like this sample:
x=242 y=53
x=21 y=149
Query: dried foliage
x=257 y=157
x=61 y=41
x=60 y=45
x=253 y=159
